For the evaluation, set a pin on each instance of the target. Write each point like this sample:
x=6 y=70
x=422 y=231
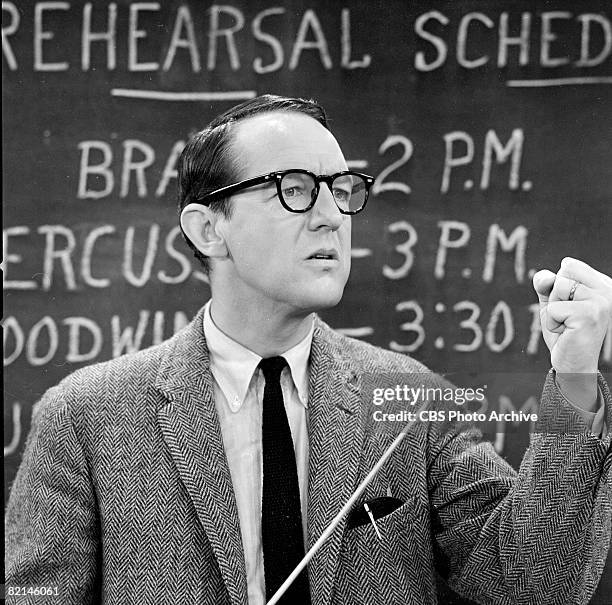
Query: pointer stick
x=330 y=528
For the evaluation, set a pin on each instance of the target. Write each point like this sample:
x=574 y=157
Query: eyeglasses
x=298 y=189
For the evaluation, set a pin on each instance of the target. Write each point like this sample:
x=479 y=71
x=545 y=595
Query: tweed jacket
x=124 y=493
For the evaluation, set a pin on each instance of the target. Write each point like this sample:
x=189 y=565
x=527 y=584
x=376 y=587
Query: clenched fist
x=575 y=312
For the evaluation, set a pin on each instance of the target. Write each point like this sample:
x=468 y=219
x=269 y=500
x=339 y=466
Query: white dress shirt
x=239 y=386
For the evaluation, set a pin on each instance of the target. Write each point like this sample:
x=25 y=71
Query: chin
x=323 y=298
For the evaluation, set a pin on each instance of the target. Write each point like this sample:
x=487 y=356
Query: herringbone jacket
x=124 y=493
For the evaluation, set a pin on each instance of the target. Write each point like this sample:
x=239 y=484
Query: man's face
x=272 y=252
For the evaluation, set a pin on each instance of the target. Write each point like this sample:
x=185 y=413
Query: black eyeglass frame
x=277 y=177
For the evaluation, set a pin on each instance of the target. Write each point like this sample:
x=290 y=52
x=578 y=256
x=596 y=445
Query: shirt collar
x=233 y=365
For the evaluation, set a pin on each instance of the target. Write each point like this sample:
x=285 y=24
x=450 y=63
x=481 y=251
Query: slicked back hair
x=207 y=162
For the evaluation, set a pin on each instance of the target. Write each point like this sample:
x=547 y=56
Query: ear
x=201 y=226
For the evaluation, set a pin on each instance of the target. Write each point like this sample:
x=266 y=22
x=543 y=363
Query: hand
x=574 y=330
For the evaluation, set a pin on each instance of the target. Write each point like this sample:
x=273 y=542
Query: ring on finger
x=572 y=291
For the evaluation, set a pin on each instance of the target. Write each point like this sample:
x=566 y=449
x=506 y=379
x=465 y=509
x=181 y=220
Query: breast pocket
x=394 y=568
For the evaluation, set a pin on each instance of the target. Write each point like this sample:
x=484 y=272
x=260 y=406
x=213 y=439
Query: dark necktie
x=281 y=513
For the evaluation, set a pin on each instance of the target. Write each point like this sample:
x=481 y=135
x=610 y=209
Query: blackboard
x=486 y=123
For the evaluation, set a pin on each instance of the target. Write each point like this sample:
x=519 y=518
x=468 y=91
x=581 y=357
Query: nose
x=325 y=214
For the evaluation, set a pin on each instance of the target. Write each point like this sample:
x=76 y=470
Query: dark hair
x=207 y=163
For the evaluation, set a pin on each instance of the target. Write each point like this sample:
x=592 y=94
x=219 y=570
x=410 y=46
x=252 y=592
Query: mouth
x=328 y=254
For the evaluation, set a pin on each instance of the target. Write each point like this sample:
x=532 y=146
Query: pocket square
x=380 y=507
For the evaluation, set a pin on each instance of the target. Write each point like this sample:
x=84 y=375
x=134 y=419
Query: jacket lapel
x=191 y=430
x=335 y=435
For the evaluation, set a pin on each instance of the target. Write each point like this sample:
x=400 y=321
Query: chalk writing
x=62 y=245
x=492 y=147
x=96 y=161
x=78 y=339
x=391 y=141
x=13 y=444
x=538 y=42
x=184 y=38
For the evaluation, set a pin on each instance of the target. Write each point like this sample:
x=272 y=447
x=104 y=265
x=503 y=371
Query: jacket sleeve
x=51 y=523
x=540 y=537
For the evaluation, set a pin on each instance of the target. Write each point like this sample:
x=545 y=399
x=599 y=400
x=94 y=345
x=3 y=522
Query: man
x=198 y=471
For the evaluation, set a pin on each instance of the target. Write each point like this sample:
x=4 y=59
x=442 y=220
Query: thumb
x=543 y=282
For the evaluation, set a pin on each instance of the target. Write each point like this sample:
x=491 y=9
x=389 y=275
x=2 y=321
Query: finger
x=552 y=314
x=558 y=312
x=585 y=314
x=563 y=287
x=543 y=282
x=572 y=268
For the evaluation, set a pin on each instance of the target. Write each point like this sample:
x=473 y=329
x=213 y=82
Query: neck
x=266 y=329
